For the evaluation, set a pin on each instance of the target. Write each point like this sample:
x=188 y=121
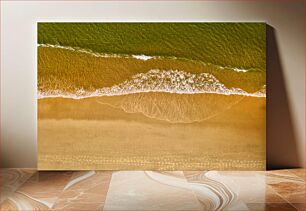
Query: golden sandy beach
x=97 y=133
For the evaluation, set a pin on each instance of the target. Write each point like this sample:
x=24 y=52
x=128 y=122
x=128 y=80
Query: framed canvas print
x=151 y=96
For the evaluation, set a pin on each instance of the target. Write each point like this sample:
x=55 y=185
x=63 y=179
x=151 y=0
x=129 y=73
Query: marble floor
x=28 y=189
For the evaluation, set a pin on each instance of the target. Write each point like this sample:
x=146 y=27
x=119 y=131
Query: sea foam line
x=95 y=54
x=99 y=93
x=155 y=80
x=140 y=57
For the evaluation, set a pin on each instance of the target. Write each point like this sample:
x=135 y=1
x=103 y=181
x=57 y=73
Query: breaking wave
x=155 y=80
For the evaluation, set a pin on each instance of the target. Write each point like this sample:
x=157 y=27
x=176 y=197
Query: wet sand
x=112 y=133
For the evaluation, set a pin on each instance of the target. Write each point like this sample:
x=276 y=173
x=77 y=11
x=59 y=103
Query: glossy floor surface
x=27 y=189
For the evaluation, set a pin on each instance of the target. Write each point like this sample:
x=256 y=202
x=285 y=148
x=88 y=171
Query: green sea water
x=234 y=45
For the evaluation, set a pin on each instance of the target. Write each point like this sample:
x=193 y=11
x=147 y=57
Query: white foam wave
x=140 y=57
x=240 y=70
x=234 y=69
x=169 y=81
x=95 y=54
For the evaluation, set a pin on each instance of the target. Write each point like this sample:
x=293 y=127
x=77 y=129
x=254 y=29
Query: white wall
x=18 y=54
